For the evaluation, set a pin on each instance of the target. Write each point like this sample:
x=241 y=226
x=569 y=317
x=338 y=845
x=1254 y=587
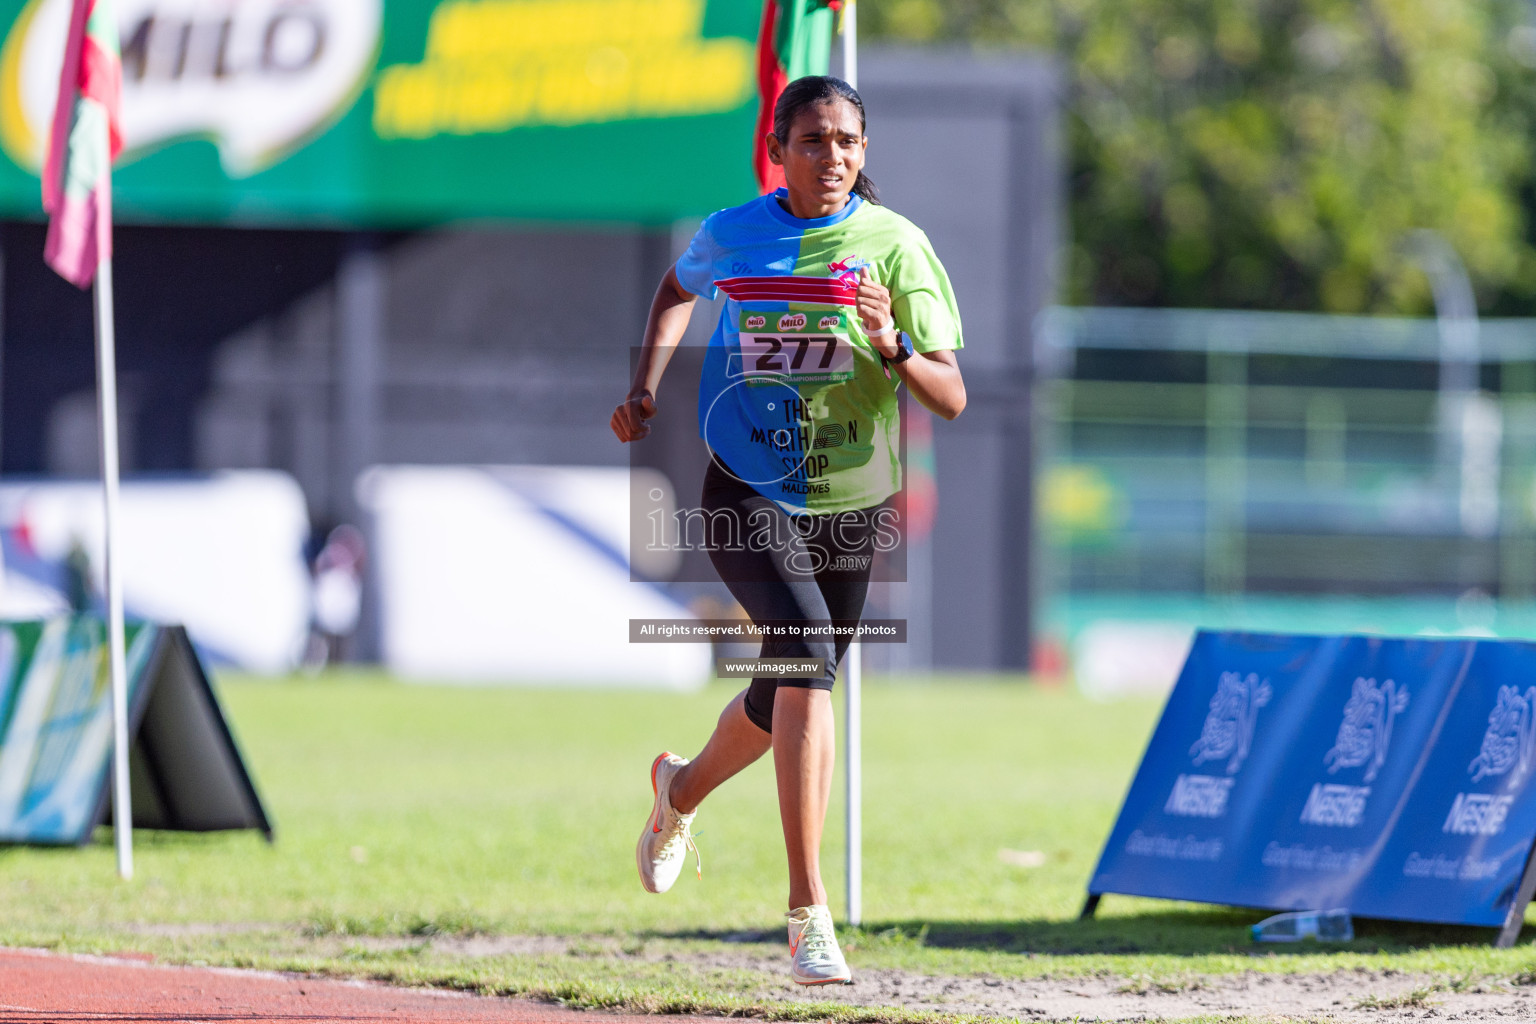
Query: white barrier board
x=223 y=554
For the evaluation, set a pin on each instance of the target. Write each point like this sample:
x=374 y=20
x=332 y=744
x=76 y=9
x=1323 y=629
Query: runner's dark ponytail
x=809 y=91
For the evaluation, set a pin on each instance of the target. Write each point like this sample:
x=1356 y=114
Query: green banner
x=410 y=112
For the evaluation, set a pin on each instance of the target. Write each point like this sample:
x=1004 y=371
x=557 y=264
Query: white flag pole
x=850 y=44
x=854 y=774
x=853 y=673
x=106 y=397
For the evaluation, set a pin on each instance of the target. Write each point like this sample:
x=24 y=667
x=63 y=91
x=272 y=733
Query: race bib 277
x=804 y=347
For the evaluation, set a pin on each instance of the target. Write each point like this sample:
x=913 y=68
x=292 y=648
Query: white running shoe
x=814 y=956
x=665 y=840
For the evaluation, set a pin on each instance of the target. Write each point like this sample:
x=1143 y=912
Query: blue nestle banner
x=1386 y=776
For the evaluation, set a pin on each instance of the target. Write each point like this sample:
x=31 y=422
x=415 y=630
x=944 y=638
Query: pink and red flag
x=86 y=137
x=794 y=40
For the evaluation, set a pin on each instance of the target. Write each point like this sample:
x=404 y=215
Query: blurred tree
x=1276 y=153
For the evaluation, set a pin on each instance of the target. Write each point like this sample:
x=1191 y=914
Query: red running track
x=38 y=987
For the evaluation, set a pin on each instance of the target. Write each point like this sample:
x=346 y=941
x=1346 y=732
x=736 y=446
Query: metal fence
x=1231 y=454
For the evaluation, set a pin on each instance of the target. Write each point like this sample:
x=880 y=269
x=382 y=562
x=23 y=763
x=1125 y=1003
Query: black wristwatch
x=904 y=349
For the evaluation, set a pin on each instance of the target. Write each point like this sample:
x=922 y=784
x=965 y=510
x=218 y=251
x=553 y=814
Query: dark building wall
x=494 y=347
x=180 y=293
x=968 y=147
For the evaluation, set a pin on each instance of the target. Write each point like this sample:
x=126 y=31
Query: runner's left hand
x=874 y=308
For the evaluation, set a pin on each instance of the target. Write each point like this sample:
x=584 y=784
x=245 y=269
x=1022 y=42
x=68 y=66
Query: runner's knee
x=758 y=702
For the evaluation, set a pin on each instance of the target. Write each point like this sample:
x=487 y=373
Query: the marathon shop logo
x=831 y=435
x=1363 y=740
x=1506 y=753
x=798 y=436
x=1227 y=734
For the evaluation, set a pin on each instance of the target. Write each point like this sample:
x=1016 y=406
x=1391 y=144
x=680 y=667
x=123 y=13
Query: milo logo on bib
x=796 y=352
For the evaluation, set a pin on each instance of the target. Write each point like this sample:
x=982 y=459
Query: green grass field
x=407 y=813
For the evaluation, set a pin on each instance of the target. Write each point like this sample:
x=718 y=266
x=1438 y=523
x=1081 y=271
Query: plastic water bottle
x=1323 y=925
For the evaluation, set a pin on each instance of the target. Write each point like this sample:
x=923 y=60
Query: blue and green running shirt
x=793 y=398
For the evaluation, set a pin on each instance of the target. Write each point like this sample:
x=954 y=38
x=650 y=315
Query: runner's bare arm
x=933 y=377
x=670 y=311
x=935 y=381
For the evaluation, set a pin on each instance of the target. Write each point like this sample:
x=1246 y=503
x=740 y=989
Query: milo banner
x=56 y=735
x=1390 y=777
x=406 y=112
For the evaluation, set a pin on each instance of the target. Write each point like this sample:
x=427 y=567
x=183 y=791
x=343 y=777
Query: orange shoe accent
x=656 y=825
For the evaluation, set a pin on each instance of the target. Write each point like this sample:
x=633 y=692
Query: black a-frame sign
x=184 y=771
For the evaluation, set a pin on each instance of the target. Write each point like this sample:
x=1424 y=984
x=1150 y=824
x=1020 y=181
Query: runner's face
x=821 y=158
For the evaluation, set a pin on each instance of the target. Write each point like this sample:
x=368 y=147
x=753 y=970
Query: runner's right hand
x=629 y=418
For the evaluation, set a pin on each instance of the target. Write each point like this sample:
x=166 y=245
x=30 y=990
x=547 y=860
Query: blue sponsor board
x=1387 y=776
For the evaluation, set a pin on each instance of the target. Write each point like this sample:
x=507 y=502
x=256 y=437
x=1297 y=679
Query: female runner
x=834 y=302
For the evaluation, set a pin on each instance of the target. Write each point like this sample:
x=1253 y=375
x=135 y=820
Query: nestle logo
x=757 y=321
x=1199 y=796
x=828 y=322
x=791 y=321
x=1334 y=805
x=1477 y=814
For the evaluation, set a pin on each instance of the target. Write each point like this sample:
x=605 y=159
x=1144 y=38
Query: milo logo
x=754 y=322
x=828 y=323
x=257 y=78
x=791 y=321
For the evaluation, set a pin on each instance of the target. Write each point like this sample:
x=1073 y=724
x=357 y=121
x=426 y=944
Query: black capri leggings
x=804 y=569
